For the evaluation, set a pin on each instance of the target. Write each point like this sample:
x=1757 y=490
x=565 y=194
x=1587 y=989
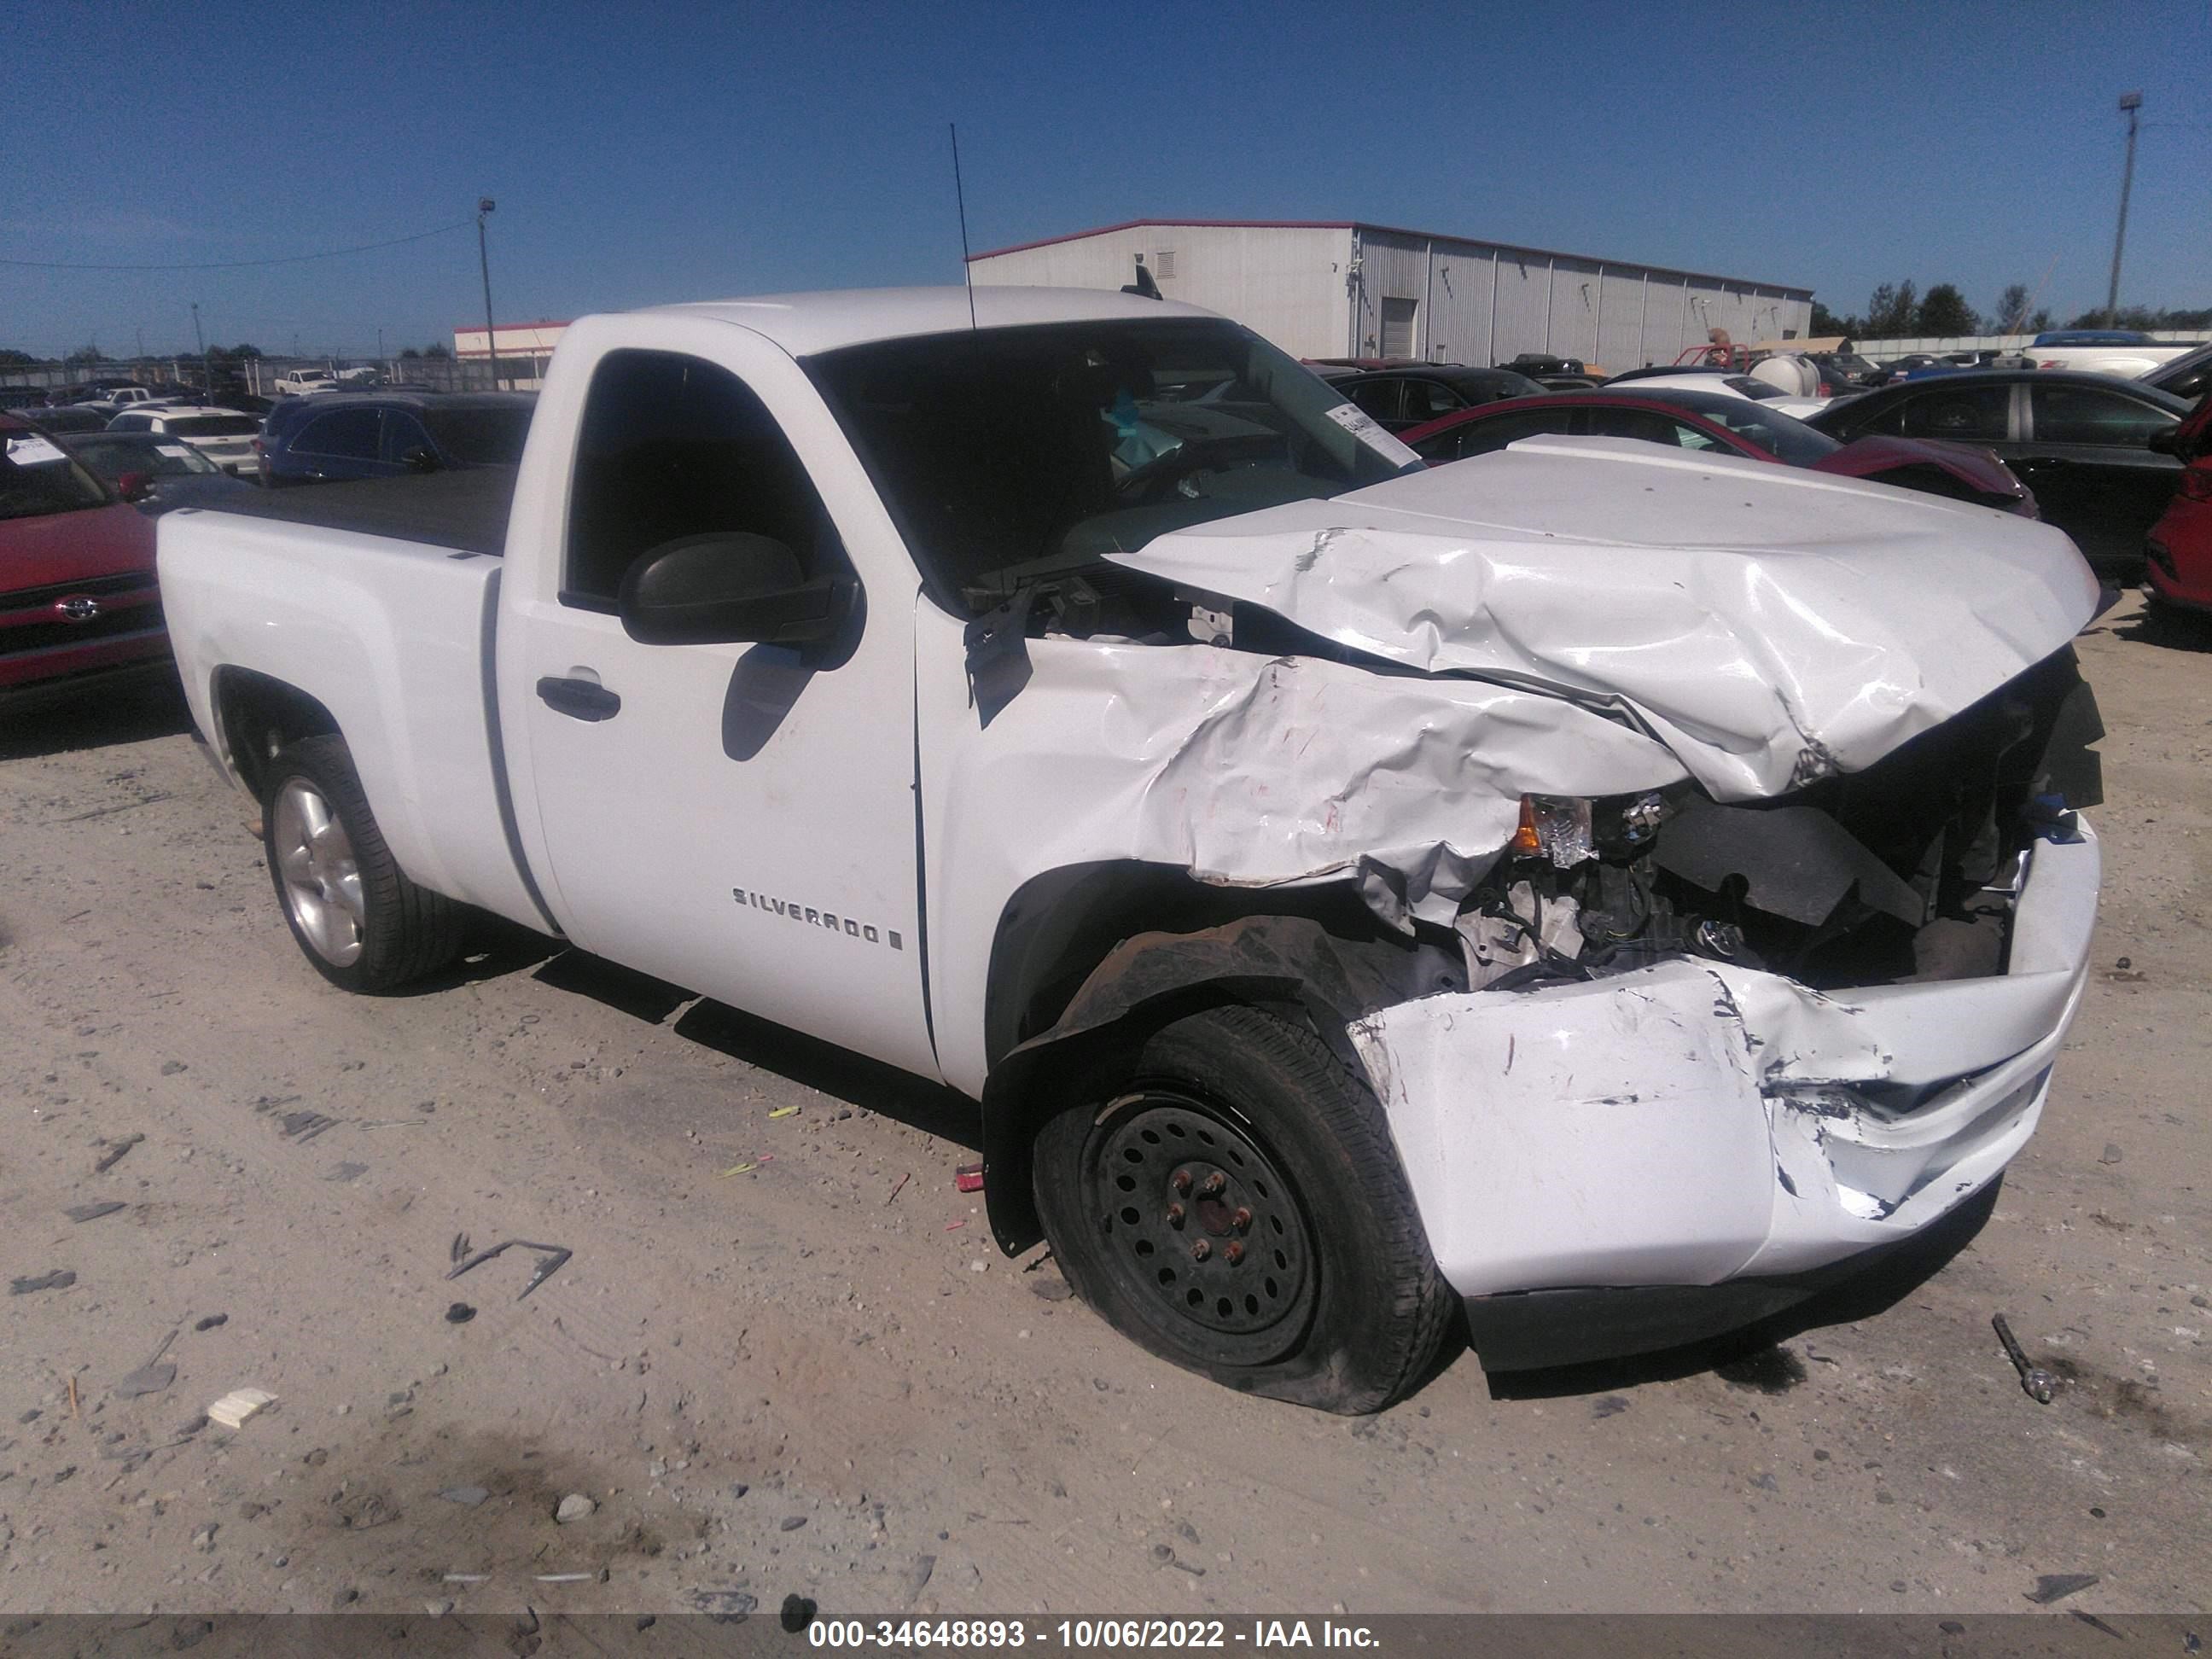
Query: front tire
x=1229 y=1199
x=357 y=917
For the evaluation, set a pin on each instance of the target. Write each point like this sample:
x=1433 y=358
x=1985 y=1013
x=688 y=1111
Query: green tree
x=2038 y=322
x=1825 y=322
x=84 y=356
x=1944 y=313
x=2012 y=309
x=437 y=351
x=1893 y=311
x=408 y=354
x=246 y=353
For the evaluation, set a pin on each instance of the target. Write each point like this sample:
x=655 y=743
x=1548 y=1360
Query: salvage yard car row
x=1605 y=888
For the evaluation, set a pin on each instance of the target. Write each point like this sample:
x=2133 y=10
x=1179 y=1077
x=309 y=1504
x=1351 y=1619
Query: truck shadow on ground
x=96 y=720
x=499 y=948
x=1753 y=1357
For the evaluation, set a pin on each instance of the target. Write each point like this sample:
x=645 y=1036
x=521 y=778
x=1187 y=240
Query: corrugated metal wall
x=1318 y=292
x=1286 y=283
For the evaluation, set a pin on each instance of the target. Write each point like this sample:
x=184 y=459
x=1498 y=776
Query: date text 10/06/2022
x=1081 y=1635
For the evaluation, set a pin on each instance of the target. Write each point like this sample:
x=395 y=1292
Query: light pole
x=2129 y=103
x=484 y=206
x=207 y=369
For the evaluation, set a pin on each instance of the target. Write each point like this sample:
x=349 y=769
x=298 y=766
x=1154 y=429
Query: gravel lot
x=786 y=1358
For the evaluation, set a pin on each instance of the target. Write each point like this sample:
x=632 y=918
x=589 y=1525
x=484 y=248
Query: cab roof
x=804 y=324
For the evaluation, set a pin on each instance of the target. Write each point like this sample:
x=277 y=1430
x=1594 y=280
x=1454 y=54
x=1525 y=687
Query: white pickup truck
x=1612 y=890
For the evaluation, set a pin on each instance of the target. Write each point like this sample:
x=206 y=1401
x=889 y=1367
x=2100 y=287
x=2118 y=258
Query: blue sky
x=641 y=154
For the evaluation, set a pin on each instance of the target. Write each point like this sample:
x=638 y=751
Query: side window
x=2089 y=415
x=1481 y=437
x=347 y=434
x=131 y=424
x=674 y=446
x=1426 y=399
x=1381 y=399
x=1973 y=415
x=1649 y=426
x=402 y=434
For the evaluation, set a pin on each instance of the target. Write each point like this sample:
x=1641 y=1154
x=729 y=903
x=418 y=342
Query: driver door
x=737 y=818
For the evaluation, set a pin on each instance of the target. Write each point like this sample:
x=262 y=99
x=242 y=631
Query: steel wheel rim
x=321 y=877
x=1196 y=1220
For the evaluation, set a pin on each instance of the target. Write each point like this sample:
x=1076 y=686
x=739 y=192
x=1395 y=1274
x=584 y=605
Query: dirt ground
x=784 y=1357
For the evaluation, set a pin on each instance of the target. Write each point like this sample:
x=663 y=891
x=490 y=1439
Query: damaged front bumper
x=1719 y=1139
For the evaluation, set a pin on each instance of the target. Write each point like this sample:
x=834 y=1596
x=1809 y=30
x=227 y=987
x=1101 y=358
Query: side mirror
x=726 y=589
x=135 y=486
x=419 y=459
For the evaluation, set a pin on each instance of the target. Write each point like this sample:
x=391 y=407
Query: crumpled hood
x=1770 y=625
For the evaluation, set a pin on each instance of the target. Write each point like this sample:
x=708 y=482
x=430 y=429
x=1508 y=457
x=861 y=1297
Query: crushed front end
x=1711 y=1055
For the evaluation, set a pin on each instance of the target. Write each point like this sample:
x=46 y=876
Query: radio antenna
x=960 y=195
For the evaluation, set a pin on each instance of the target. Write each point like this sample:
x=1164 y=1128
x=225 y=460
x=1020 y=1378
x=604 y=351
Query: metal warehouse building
x=1350 y=289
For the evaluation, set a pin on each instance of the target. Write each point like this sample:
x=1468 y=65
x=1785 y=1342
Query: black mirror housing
x=419 y=459
x=2167 y=441
x=729 y=588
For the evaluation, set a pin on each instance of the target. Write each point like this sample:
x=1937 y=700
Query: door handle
x=578 y=699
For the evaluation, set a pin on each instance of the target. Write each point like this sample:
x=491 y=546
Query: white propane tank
x=1792 y=375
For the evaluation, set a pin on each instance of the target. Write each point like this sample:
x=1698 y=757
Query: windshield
x=1779 y=435
x=37 y=478
x=997 y=448
x=112 y=457
x=211 y=426
x=1752 y=388
x=479 y=437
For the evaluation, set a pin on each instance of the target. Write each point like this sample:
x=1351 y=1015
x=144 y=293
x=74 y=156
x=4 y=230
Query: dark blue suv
x=340 y=434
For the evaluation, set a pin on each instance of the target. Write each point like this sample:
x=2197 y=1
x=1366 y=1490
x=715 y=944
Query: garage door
x=1398 y=327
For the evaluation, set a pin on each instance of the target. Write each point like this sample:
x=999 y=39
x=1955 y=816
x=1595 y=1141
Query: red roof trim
x=1388 y=230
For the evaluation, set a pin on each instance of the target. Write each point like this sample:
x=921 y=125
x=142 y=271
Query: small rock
x=918 y=1575
x=459 y=1313
x=574 y=1507
x=797 y=1613
x=1897 y=1586
x=738 y=1489
x=203 y=1539
x=2125 y=963
x=59 y=1280
x=469 y=1496
x=1050 y=1290
x=2058 y=1586
x=31 y=1416
x=1611 y=1405
x=170 y=1067
x=979 y=1266
x=791 y=1524
x=347 y=1170
x=438 y=1609
x=212 y=1322
x=2110 y=1155
x=93 y=1211
x=252 y=1511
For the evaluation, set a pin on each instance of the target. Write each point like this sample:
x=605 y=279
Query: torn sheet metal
x=1244 y=769
x=1692 y=1122
x=1771 y=625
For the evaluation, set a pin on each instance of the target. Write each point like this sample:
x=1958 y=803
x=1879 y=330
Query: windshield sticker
x=1361 y=425
x=178 y=450
x=32 y=451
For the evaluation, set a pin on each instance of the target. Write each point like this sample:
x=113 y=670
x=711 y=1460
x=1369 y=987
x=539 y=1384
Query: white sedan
x=1740 y=385
x=224 y=435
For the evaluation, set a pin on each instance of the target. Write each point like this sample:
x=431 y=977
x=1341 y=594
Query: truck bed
x=465 y=510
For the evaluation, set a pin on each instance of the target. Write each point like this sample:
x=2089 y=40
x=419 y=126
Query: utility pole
x=2129 y=103
x=207 y=369
x=484 y=206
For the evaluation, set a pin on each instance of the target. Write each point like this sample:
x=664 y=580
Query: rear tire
x=357 y=919
x=1229 y=1198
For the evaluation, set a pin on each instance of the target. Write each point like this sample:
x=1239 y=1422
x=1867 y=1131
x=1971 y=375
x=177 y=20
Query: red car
x=78 y=605
x=2180 y=543
x=1715 y=423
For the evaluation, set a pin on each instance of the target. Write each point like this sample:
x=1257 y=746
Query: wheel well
x=258 y=716
x=1090 y=957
